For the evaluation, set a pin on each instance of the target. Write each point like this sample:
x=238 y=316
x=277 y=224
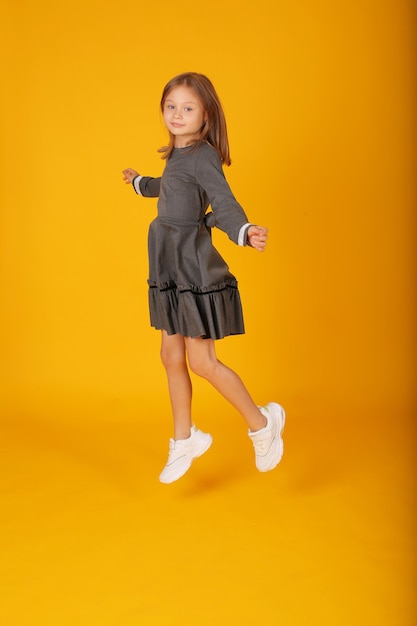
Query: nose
x=177 y=114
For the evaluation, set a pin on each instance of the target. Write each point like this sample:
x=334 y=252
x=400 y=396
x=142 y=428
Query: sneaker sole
x=279 y=439
x=176 y=475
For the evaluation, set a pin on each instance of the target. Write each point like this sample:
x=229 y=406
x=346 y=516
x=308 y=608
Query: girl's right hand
x=129 y=175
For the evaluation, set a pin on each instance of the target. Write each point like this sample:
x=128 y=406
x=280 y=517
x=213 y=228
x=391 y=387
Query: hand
x=257 y=237
x=129 y=175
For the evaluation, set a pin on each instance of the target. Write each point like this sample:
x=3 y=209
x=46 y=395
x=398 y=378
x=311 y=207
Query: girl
x=193 y=298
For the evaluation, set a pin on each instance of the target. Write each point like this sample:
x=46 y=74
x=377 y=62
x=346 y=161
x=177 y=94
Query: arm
x=228 y=214
x=143 y=185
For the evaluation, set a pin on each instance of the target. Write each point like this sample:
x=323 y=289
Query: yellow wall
x=319 y=100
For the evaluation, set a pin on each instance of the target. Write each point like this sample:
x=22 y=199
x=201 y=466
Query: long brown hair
x=214 y=131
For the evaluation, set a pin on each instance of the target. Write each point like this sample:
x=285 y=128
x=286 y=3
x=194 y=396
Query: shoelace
x=263 y=445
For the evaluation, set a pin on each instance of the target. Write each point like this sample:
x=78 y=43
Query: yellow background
x=320 y=102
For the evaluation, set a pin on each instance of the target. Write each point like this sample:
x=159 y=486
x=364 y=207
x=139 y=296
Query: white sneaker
x=268 y=443
x=182 y=453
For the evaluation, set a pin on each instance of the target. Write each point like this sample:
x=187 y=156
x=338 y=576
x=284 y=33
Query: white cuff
x=135 y=184
x=241 y=240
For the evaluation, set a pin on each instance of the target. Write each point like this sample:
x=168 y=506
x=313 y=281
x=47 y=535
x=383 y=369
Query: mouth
x=176 y=125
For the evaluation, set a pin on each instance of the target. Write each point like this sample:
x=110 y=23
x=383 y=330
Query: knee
x=204 y=368
x=172 y=358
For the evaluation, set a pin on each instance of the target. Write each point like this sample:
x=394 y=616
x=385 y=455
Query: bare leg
x=203 y=361
x=173 y=357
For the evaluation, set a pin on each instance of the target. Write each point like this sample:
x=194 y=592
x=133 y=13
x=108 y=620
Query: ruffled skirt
x=191 y=291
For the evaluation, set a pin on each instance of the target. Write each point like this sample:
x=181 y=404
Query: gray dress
x=191 y=291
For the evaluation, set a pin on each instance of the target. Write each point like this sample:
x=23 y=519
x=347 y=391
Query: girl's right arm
x=143 y=185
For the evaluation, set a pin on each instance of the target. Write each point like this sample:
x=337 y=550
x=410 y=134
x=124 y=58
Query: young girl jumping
x=193 y=298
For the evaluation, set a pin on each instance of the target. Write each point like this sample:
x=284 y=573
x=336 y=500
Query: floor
x=89 y=535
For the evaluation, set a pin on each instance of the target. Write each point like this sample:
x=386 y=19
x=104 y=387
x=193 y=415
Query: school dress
x=191 y=290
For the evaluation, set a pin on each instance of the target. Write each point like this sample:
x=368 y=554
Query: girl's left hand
x=257 y=237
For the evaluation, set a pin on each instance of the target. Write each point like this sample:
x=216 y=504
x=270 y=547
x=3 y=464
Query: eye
x=187 y=109
x=169 y=106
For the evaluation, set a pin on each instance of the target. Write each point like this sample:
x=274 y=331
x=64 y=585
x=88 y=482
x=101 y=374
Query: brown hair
x=214 y=131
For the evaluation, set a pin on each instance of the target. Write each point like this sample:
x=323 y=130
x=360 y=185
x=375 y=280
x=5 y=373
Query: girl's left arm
x=228 y=214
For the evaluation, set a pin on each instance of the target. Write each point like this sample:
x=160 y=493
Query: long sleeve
x=228 y=214
x=147 y=186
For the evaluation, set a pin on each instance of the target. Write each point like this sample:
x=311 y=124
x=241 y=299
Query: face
x=183 y=115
